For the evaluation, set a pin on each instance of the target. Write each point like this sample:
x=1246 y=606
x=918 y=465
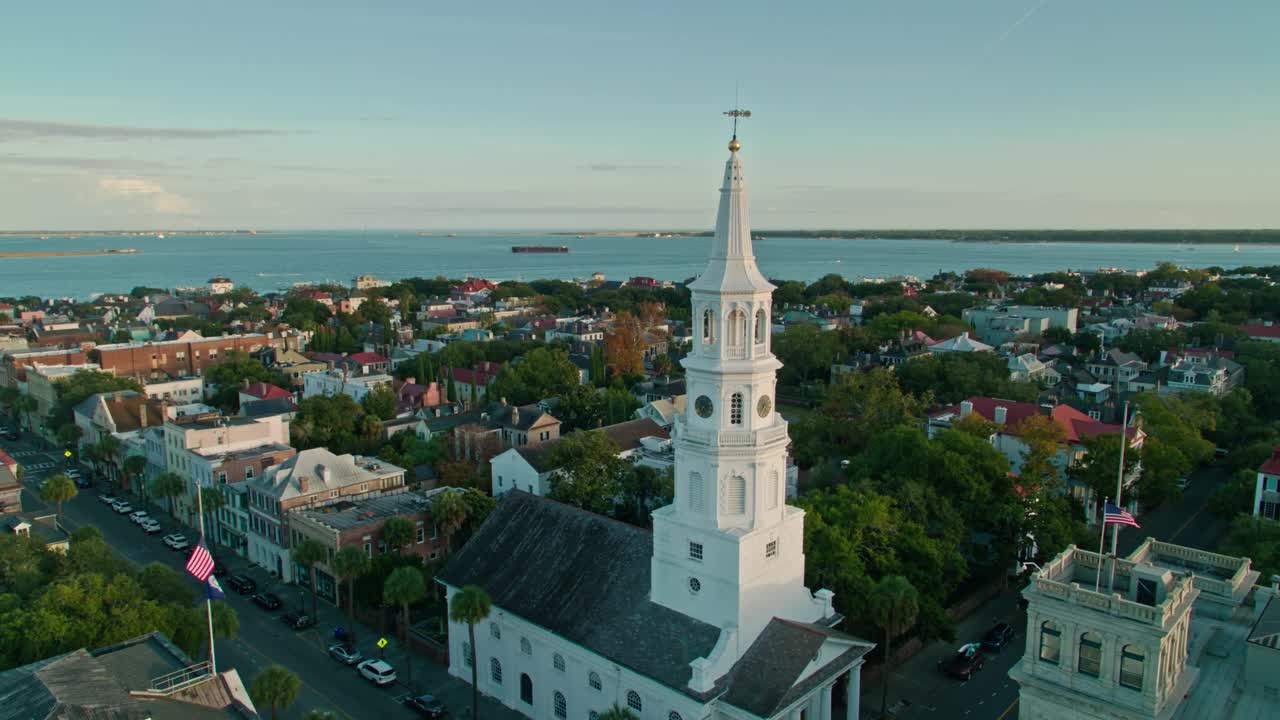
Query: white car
x=378 y=672
x=176 y=541
x=122 y=506
x=139 y=515
x=107 y=499
x=149 y=526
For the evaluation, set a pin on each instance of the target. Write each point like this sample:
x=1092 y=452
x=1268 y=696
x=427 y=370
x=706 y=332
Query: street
x=262 y=639
x=918 y=690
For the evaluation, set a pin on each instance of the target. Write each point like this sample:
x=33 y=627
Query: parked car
x=12 y=434
x=82 y=482
x=345 y=654
x=150 y=526
x=378 y=672
x=997 y=637
x=176 y=541
x=122 y=506
x=219 y=570
x=268 y=601
x=138 y=516
x=427 y=706
x=298 y=620
x=242 y=584
x=963 y=663
x=1183 y=482
x=108 y=499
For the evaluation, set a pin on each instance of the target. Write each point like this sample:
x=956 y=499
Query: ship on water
x=539 y=249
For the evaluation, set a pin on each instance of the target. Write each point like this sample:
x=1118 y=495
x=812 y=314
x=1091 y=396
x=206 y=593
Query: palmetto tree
x=894 y=606
x=350 y=563
x=276 y=688
x=470 y=605
x=396 y=533
x=226 y=623
x=306 y=554
x=449 y=512
x=108 y=448
x=133 y=467
x=617 y=712
x=404 y=586
x=57 y=489
x=211 y=500
x=24 y=405
x=169 y=486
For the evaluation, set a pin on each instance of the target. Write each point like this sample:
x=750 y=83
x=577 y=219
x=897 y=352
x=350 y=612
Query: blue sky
x=591 y=115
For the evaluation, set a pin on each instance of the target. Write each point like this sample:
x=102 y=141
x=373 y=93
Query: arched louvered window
x=735 y=495
x=708 y=326
x=761 y=326
x=696 y=492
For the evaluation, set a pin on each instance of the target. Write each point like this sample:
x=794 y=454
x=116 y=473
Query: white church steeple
x=729 y=550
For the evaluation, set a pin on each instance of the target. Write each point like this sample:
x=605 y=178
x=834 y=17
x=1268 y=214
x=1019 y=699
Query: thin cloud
x=17 y=129
x=78 y=163
x=152 y=195
x=612 y=167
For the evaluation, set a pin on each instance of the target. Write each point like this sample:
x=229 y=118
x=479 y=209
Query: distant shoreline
x=42 y=234
x=1168 y=237
x=69 y=253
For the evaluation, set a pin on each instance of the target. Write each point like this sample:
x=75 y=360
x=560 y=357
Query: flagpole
x=1115 y=528
x=1102 y=544
x=208 y=601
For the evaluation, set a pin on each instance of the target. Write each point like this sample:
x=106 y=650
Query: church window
x=634 y=702
x=760 y=327
x=673 y=715
x=774 y=489
x=526 y=689
x=695 y=550
x=495 y=631
x=708 y=326
x=525 y=646
x=771 y=549
x=495 y=670
x=593 y=680
x=466 y=653
x=561 y=707
x=736 y=495
x=1050 y=642
x=737 y=330
x=558 y=661
x=735 y=409
x=1090 y=662
x=1131 y=659
x=695 y=585
x=696 y=492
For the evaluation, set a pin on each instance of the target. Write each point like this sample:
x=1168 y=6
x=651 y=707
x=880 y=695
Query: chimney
x=244 y=383
x=515 y=416
x=324 y=474
x=966 y=408
x=1001 y=414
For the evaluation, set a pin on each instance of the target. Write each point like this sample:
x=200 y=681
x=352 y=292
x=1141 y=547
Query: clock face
x=703 y=406
x=764 y=406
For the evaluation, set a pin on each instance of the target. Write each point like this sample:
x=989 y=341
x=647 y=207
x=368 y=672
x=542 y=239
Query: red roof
x=1075 y=424
x=1267 y=331
x=266 y=391
x=482 y=374
x=6 y=460
x=1272 y=465
x=367 y=358
x=474 y=286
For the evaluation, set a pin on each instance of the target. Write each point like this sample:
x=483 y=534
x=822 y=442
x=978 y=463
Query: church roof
x=584 y=577
x=770 y=675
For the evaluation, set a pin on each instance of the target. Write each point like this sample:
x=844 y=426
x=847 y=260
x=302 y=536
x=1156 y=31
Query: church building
x=707 y=616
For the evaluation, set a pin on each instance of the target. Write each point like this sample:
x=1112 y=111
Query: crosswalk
x=24 y=453
x=38 y=467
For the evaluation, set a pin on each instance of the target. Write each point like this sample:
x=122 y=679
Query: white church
x=708 y=615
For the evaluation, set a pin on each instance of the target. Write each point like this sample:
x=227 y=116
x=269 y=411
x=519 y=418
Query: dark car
x=268 y=601
x=298 y=620
x=241 y=584
x=427 y=706
x=219 y=570
x=997 y=637
x=962 y=664
x=12 y=434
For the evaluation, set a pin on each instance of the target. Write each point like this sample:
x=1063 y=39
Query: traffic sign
x=382 y=642
x=66 y=453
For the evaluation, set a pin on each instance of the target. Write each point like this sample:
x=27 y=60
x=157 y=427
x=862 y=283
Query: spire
x=732 y=266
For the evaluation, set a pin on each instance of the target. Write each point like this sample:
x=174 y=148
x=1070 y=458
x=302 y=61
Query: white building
x=960 y=343
x=181 y=391
x=708 y=615
x=220 y=285
x=335 y=382
x=1266 y=492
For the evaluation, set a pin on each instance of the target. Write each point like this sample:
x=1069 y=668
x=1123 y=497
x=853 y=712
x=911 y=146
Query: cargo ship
x=539 y=249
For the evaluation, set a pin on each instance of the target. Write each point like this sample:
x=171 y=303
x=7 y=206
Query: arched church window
x=708 y=326
x=736 y=334
x=634 y=702
x=735 y=409
x=760 y=326
x=561 y=707
x=593 y=679
x=495 y=670
x=525 y=646
x=495 y=631
x=735 y=496
x=557 y=661
x=696 y=492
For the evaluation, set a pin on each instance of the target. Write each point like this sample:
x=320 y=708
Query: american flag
x=200 y=564
x=1113 y=515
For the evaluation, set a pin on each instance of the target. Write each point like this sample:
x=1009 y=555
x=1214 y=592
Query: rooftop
x=349 y=514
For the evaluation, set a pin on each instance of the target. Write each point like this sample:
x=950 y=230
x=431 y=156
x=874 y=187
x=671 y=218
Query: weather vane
x=735 y=114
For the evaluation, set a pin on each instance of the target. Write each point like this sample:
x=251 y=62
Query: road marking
x=1178 y=532
x=1006 y=710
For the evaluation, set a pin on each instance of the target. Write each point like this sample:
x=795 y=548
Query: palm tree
x=23 y=405
x=169 y=486
x=212 y=500
x=108 y=447
x=404 y=586
x=617 y=712
x=894 y=606
x=470 y=605
x=319 y=715
x=396 y=533
x=350 y=563
x=58 y=489
x=275 y=687
x=449 y=512
x=226 y=623
x=307 y=553
x=133 y=467
x=68 y=436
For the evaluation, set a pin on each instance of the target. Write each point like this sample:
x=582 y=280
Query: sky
x=600 y=115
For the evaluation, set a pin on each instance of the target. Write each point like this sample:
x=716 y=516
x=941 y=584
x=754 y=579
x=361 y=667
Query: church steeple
x=732 y=265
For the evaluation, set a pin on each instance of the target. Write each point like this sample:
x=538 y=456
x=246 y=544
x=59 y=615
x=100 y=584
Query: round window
x=703 y=406
x=694 y=585
x=764 y=406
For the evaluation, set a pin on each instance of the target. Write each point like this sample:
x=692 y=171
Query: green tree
x=397 y=532
x=58 y=489
x=212 y=500
x=643 y=490
x=403 y=587
x=806 y=353
x=581 y=408
x=471 y=605
x=1256 y=538
x=1043 y=438
x=226 y=623
x=449 y=512
x=68 y=436
x=380 y=403
x=306 y=554
x=229 y=376
x=589 y=472
x=894 y=606
x=23 y=406
x=161 y=583
x=1162 y=465
x=80 y=385
x=107 y=451
x=350 y=563
x=1100 y=467
x=319 y=715
x=276 y=688
x=133 y=467
x=617 y=712
x=169 y=486
x=541 y=373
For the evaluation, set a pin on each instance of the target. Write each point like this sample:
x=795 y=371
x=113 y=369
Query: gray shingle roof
x=584 y=577
x=1266 y=631
x=764 y=680
x=75 y=685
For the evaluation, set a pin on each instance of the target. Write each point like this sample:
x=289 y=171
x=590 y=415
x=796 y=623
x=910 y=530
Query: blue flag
x=213 y=589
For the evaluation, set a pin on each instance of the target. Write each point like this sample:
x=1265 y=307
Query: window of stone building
x=1050 y=642
x=495 y=670
x=561 y=707
x=1090 y=661
x=1131 y=662
x=557 y=661
x=593 y=680
x=634 y=702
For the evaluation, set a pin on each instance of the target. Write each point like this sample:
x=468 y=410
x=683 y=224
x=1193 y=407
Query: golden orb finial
x=734 y=145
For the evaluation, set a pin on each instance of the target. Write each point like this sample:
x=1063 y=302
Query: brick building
x=189 y=355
